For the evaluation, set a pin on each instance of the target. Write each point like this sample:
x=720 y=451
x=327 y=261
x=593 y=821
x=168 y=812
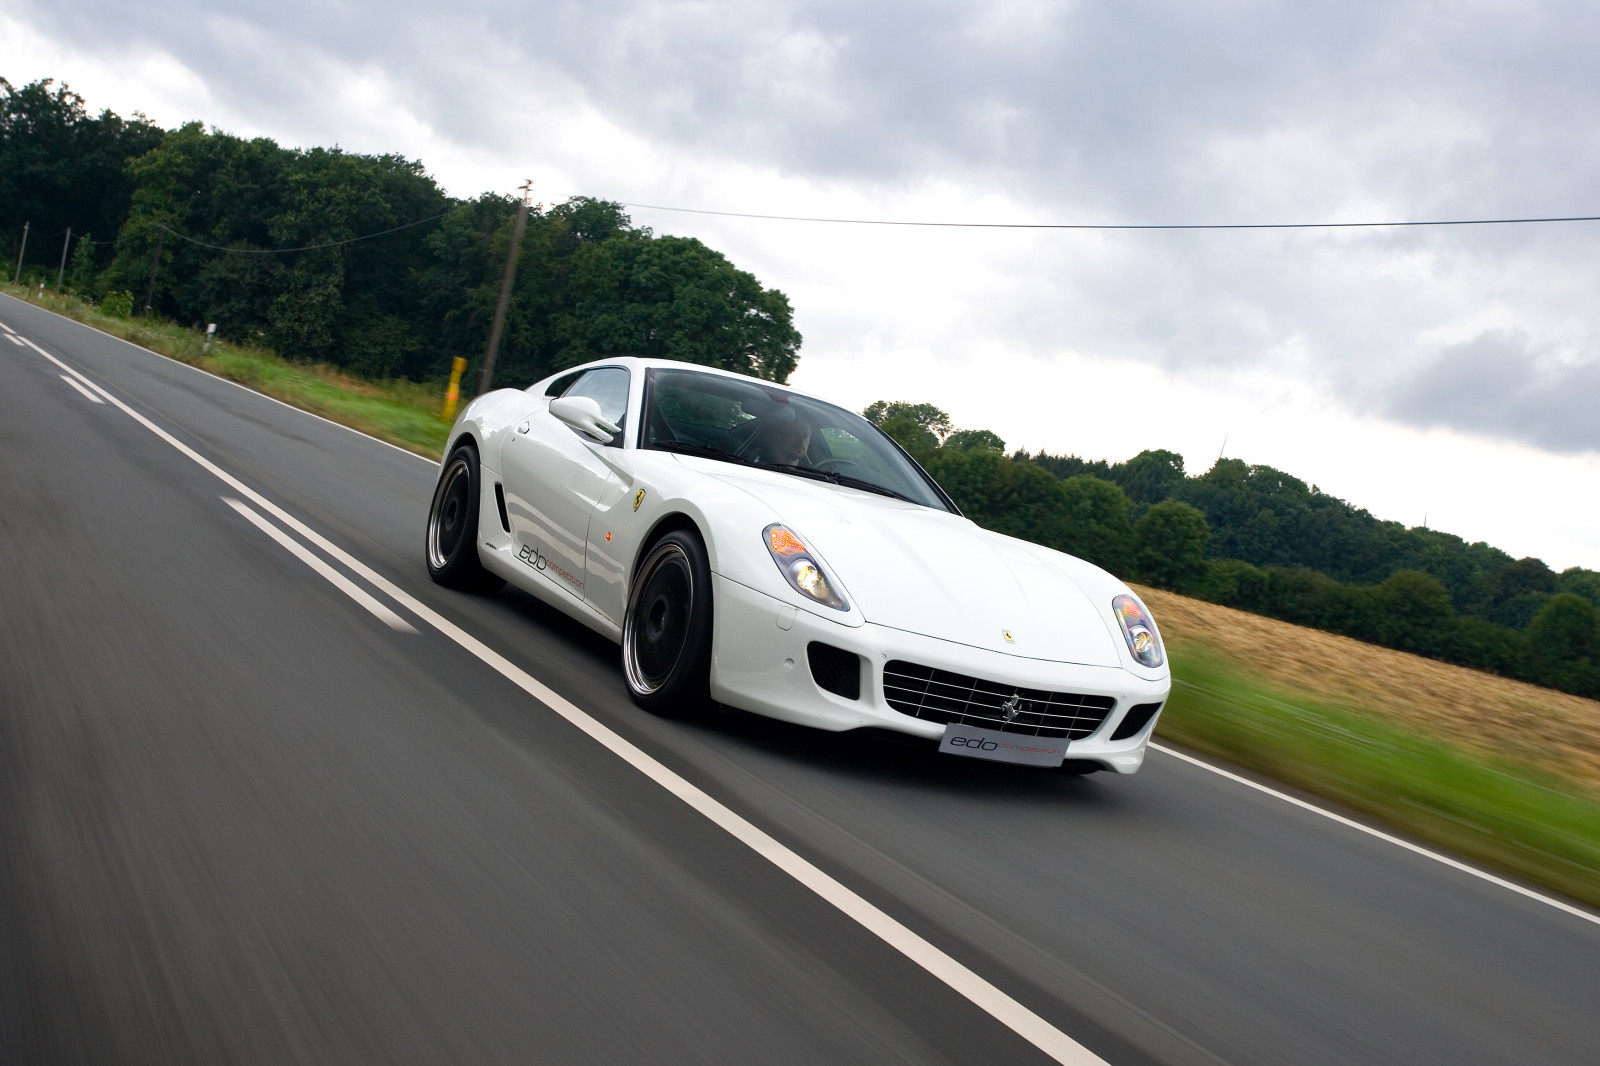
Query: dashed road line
x=74 y=383
x=338 y=580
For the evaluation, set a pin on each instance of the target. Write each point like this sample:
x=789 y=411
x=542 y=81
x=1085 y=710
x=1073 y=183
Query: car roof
x=643 y=363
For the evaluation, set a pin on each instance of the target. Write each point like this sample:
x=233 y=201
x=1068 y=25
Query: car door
x=553 y=477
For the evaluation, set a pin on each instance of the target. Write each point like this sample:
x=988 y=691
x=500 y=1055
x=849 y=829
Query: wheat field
x=1475 y=710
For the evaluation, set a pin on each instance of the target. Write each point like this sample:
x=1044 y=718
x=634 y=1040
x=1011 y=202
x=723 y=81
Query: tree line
x=1264 y=541
x=214 y=214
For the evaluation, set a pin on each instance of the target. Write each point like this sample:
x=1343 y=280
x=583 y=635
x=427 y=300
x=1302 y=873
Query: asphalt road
x=242 y=819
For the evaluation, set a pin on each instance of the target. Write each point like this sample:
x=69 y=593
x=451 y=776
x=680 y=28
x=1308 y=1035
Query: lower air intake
x=835 y=670
x=1136 y=719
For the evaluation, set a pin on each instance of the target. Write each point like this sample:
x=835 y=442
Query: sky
x=1441 y=375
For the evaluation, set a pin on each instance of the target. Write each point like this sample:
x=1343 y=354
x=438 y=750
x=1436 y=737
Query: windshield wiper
x=705 y=451
x=839 y=479
x=872 y=486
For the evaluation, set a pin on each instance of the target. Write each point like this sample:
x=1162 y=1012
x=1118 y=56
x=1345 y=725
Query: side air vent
x=835 y=670
x=1135 y=720
x=500 y=502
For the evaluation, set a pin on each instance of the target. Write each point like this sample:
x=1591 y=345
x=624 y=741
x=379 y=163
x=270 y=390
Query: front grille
x=835 y=670
x=941 y=696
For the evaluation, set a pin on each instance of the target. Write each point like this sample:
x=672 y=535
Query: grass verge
x=1499 y=812
x=403 y=413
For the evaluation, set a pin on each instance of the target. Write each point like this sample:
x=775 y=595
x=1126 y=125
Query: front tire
x=666 y=636
x=452 y=536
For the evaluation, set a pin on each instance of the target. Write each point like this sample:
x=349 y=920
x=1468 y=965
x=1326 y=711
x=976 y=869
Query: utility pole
x=23 y=251
x=150 y=290
x=62 y=271
x=499 y=322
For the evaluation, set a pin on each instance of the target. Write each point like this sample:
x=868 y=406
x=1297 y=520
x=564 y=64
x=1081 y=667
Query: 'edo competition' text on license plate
x=1003 y=747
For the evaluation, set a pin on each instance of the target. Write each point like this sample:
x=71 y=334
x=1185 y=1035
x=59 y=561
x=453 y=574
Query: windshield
x=757 y=425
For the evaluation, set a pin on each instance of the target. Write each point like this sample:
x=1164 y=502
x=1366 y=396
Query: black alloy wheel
x=666 y=636
x=452 y=548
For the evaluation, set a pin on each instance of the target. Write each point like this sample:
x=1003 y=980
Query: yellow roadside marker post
x=452 y=395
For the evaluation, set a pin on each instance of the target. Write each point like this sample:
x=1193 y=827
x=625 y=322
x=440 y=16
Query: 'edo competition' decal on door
x=531 y=555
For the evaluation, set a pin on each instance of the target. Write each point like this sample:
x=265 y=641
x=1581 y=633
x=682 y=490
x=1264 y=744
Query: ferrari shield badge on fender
x=638 y=498
x=1004 y=632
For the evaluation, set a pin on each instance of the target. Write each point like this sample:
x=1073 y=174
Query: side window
x=607 y=386
x=562 y=384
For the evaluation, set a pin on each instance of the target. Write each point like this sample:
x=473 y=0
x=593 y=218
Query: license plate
x=1003 y=747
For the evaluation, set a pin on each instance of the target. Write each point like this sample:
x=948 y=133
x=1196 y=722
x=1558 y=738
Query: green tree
x=911 y=435
x=674 y=298
x=969 y=439
x=1564 y=629
x=1416 y=612
x=1093 y=523
x=82 y=276
x=1580 y=582
x=925 y=415
x=1150 y=476
x=1169 y=542
x=61 y=167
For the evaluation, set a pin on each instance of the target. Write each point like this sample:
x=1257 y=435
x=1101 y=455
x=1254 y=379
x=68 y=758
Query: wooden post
x=155 y=264
x=62 y=270
x=506 y=278
x=21 y=252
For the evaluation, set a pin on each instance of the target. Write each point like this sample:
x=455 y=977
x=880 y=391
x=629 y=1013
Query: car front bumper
x=759 y=664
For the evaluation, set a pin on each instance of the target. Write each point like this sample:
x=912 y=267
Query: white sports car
x=748 y=543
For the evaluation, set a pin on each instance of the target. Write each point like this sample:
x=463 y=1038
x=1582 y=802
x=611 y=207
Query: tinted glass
x=562 y=383
x=752 y=424
x=607 y=386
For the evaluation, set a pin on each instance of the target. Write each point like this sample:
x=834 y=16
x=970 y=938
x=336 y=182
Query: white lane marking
x=338 y=580
x=1456 y=864
x=237 y=385
x=74 y=383
x=12 y=337
x=7 y=328
x=980 y=992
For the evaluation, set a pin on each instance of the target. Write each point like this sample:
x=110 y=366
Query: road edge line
x=219 y=377
x=1398 y=841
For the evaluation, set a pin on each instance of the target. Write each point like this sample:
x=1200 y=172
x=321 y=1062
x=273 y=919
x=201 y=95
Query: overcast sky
x=1452 y=374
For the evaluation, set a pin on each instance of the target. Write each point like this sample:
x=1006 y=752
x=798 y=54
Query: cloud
x=1500 y=383
x=1128 y=111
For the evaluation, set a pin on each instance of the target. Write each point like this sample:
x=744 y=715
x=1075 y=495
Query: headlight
x=800 y=568
x=1139 y=630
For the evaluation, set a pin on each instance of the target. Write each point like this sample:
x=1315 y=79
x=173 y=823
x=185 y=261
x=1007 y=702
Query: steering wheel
x=833 y=464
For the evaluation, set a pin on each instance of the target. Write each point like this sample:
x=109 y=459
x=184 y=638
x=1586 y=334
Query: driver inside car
x=784 y=443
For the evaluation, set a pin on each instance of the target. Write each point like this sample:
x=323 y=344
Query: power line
x=303 y=248
x=1095 y=226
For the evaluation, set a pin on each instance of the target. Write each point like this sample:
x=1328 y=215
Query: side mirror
x=582 y=413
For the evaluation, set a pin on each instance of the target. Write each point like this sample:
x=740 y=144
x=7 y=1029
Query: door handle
x=524 y=427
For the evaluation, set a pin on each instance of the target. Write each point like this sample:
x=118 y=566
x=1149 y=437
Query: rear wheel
x=666 y=636
x=452 y=539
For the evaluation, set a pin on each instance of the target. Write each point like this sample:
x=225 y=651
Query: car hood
x=938 y=574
